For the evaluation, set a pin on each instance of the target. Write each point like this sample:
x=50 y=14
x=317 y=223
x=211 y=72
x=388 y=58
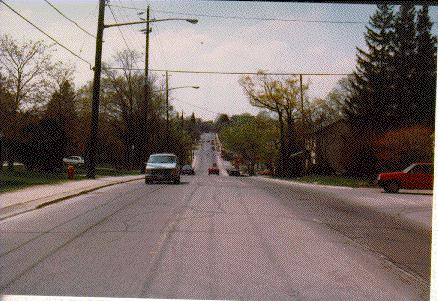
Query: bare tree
x=27 y=68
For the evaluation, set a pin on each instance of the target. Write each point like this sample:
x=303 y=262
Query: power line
x=156 y=36
x=62 y=14
x=120 y=31
x=236 y=73
x=47 y=35
x=251 y=18
x=129 y=33
x=201 y=108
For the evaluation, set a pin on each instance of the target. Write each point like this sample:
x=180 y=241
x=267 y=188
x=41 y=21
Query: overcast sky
x=214 y=44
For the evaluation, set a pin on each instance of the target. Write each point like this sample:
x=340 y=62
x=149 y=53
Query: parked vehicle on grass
x=415 y=176
x=73 y=160
x=187 y=170
x=162 y=167
x=213 y=169
x=234 y=172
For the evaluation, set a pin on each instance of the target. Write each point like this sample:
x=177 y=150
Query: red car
x=213 y=170
x=416 y=176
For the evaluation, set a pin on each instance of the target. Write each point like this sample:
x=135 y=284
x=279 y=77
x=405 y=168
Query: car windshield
x=162 y=159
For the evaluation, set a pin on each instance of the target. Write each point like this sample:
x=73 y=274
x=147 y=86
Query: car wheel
x=392 y=187
x=177 y=181
x=148 y=181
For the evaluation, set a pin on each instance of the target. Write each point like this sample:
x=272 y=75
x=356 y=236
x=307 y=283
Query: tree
x=373 y=90
x=254 y=138
x=331 y=108
x=125 y=92
x=6 y=100
x=425 y=62
x=280 y=96
x=27 y=68
x=62 y=109
x=221 y=121
x=399 y=148
x=406 y=105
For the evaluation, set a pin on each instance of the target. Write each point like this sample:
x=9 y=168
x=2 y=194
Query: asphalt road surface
x=212 y=237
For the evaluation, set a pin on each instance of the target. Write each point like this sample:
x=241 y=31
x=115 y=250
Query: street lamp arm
x=193 y=21
x=194 y=87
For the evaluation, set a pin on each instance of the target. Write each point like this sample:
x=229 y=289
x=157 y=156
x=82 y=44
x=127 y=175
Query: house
x=331 y=148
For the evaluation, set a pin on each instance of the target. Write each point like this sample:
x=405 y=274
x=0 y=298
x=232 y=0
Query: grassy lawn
x=334 y=181
x=21 y=178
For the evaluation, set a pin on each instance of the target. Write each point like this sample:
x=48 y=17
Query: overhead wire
x=86 y=20
x=156 y=36
x=120 y=31
x=240 y=73
x=253 y=18
x=46 y=34
x=75 y=23
x=129 y=31
x=201 y=108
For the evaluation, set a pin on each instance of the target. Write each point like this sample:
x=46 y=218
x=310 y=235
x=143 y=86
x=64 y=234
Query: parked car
x=74 y=160
x=162 y=167
x=187 y=170
x=213 y=169
x=416 y=176
x=234 y=172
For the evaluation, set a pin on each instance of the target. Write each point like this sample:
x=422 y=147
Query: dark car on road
x=187 y=170
x=416 y=176
x=162 y=167
x=213 y=169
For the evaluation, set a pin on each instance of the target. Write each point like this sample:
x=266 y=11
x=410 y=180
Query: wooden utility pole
x=167 y=106
x=301 y=96
x=91 y=158
x=146 y=92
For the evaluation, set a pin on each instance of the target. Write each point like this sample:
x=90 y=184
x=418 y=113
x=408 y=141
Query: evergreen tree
x=426 y=69
x=405 y=46
x=372 y=84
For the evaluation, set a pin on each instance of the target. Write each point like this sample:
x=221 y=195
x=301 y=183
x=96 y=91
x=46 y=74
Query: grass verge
x=21 y=178
x=334 y=181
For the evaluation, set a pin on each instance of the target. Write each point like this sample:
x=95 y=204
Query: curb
x=56 y=200
x=371 y=210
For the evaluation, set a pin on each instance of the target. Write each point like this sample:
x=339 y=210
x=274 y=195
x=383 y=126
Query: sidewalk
x=410 y=206
x=23 y=200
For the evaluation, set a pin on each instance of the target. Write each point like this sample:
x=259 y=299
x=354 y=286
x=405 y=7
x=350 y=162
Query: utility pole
x=182 y=121
x=91 y=160
x=146 y=92
x=302 y=98
x=167 y=107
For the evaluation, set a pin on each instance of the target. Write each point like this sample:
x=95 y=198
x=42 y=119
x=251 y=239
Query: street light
x=147 y=31
x=91 y=148
x=194 y=87
x=167 y=102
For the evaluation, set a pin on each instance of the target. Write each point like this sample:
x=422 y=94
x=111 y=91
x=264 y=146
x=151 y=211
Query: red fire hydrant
x=70 y=172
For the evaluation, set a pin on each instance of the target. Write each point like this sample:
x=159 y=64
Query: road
x=212 y=237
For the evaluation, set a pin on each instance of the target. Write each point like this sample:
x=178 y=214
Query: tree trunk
x=282 y=158
x=294 y=165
